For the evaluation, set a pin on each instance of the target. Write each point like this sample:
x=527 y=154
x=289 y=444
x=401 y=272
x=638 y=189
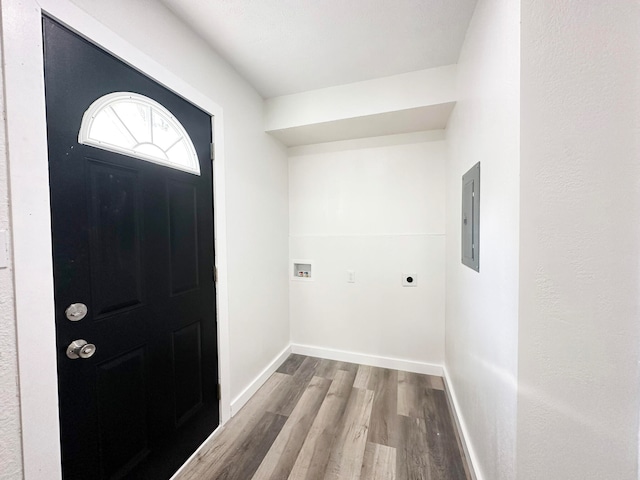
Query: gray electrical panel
x=471 y=218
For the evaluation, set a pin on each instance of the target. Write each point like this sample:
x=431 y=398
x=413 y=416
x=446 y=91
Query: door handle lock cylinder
x=80 y=349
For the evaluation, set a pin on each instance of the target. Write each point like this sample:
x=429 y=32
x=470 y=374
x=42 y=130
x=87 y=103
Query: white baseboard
x=238 y=402
x=366 y=359
x=462 y=428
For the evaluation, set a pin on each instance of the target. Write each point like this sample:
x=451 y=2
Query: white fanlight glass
x=140 y=127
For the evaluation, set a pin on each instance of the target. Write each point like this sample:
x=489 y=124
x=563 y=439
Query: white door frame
x=31 y=223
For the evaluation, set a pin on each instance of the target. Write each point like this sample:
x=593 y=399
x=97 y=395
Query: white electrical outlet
x=351 y=276
x=409 y=280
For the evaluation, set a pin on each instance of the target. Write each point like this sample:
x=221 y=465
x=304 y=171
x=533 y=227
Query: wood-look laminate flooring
x=317 y=419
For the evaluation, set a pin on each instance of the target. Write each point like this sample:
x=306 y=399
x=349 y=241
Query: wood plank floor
x=316 y=419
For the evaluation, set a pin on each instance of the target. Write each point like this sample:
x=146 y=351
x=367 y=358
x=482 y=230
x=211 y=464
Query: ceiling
x=290 y=46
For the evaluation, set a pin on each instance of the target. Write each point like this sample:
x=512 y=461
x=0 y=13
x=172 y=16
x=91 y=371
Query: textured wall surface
x=579 y=328
x=10 y=446
x=482 y=308
x=375 y=206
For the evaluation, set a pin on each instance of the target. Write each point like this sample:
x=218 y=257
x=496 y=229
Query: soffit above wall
x=289 y=46
x=412 y=102
x=432 y=117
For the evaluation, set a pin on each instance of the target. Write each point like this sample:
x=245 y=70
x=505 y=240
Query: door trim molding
x=31 y=223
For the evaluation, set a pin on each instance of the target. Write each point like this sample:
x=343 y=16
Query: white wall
x=579 y=273
x=482 y=308
x=375 y=206
x=10 y=442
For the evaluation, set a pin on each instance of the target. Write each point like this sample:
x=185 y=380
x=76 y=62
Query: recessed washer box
x=302 y=270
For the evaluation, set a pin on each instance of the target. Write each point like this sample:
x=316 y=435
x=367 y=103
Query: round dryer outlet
x=409 y=280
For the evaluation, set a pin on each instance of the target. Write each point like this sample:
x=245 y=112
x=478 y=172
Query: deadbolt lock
x=76 y=311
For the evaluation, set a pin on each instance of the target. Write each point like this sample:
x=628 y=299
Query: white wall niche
x=376 y=207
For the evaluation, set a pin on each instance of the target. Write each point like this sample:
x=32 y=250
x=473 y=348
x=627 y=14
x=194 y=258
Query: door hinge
x=219 y=392
x=212 y=152
x=215 y=274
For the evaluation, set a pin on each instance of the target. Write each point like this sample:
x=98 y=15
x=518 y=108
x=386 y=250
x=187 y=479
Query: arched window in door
x=137 y=126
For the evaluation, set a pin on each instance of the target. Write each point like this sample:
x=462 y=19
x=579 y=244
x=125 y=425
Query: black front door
x=133 y=241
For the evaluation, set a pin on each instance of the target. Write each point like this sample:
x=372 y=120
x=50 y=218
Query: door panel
x=187 y=358
x=123 y=432
x=183 y=234
x=116 y=219
x=132 y=240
